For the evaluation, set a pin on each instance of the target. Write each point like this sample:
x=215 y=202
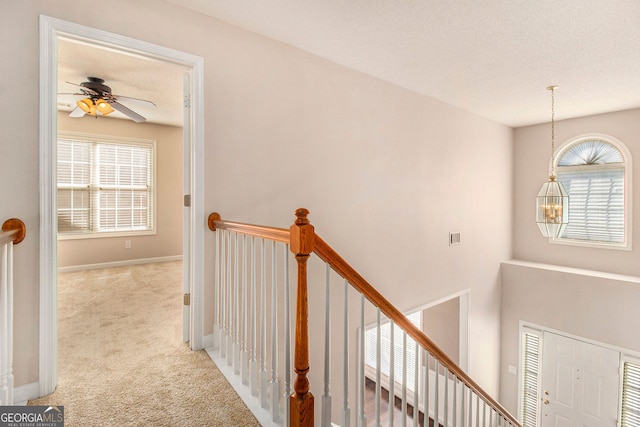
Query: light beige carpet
x=122 y=361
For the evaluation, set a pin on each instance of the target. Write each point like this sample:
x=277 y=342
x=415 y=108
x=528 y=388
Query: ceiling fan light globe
x=85 y=105
x=104 y=107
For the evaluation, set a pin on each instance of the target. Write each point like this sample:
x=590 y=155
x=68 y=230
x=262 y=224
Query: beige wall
x=386 y=173
x=586 y=296
x=603 y=308
x=442 y=324
x=168 y=238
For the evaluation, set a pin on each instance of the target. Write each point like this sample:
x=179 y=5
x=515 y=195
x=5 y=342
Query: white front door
x=579 y=383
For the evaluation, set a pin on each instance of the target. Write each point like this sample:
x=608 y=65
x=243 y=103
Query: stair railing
x=13 y=232
x=249 y=264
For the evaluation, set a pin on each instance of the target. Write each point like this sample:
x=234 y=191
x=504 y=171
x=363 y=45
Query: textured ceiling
x=127 y=75
x=491 y=57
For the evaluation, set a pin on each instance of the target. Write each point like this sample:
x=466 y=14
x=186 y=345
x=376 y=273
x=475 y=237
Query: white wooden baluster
x=426 y=393
x=484 y=413
x=392 y=379
x=9 y=323
x=244 y=355
x=416 y=378
x=436 y=392
x=477 y=411
x=275 y=382
x=446 y=396
x=463 y=406
x=263 y=374
x=253 y=349
x=361 y=379
x=228 y=326
x=455 y=398
x=236 y=300
x=492 y=420
x=287 y=338
x=6 y=325
x=471 y=394
x=346 y=412
x=378 y=368
x=263 y=325
x=216 y=294
x=325 y=420
x=223 y=294
x=403 y=420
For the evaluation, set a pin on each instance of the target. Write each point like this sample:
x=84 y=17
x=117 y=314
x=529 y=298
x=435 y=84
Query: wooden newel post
x=301 y=401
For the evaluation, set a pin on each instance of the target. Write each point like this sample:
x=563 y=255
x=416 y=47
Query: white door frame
x=50 y=29
x=540 y=330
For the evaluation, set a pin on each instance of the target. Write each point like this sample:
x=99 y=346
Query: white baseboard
x=26 y=392
x=119 y=263
x=207 y=341
x=253 y=403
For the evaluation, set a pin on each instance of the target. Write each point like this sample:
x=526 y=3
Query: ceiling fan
x=97 y=98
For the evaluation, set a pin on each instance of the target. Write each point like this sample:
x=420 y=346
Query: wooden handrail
x=303 y=241
x=272 y=233
x=13 y=230
x=330 y=256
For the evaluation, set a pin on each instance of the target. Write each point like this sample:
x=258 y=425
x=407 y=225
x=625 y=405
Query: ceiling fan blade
x=77 y=112
x=85 y=89
x=143 y=102
x=127 y=112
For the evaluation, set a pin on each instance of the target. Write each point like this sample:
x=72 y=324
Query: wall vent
x=454 y=238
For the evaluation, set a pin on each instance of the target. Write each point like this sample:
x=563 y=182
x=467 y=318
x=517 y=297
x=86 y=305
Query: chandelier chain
x=553 y=130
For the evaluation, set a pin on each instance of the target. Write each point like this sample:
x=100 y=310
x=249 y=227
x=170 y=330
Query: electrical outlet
x=127 y=244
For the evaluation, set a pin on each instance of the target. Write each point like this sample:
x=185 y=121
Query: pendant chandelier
x=552 y=203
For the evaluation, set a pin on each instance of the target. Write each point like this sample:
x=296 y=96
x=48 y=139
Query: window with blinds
x=594 y=173
x=105 y=186
x=530 y=393
x=630 y=413
x=398 y=350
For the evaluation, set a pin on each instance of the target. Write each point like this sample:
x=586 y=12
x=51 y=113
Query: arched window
x=595 y=170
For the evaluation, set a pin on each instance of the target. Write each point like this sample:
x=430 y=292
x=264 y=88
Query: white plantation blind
x=596 y=207
x=385 y=345
x=74 y=180
x=105 y=186
x=593 y=173
x=530 y=378
x=630 y=395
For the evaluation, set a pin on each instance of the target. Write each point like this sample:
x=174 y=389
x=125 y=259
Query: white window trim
x=628 y=207
x=89 y=137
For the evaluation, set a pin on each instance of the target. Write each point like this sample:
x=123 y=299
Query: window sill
x=80 y=236
x=591 y=244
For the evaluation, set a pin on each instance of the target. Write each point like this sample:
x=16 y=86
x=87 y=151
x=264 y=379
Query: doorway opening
x=52 y=30
x=445 y=321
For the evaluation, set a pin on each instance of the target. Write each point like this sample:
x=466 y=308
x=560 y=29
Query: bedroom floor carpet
x=122 y=361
